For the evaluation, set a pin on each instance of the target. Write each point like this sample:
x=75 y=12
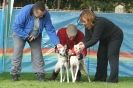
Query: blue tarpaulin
x=62 y=19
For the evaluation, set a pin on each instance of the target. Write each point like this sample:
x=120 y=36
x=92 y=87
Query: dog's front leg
x=67 y=71
x=72 y=73
x=77 y=68
x=61 y=74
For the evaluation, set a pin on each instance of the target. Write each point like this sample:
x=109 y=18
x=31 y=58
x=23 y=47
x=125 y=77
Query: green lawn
x=28 y=80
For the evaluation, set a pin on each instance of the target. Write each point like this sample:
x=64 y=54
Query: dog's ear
x=75 y=46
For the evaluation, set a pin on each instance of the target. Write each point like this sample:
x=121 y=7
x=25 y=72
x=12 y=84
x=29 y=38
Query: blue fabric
x=24 y=24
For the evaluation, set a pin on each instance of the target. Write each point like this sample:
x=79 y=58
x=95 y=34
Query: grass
x=28 y=80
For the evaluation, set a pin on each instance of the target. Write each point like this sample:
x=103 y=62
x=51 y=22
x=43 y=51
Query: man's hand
x=33 y=35
x=31 y=38
x=59 y=46
x=81 y=45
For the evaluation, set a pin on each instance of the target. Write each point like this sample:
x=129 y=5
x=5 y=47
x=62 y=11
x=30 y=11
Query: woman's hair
x=89 y=15
x=39 y=5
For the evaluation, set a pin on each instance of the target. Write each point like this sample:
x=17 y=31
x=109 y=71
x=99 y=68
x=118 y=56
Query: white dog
x=62 y=63
x=75 y=63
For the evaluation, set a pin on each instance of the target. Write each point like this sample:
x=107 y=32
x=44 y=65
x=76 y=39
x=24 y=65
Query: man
x=28 y=27
x=70 y=36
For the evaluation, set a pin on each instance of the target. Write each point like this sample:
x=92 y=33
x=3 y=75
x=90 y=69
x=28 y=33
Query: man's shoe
x=15 y=77
x=40 y=76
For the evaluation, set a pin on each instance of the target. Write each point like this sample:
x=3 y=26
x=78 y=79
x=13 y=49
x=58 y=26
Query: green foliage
x=103 y=5
x=106 y=5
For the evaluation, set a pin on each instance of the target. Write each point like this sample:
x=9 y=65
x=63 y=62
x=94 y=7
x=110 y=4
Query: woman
x=110 y=38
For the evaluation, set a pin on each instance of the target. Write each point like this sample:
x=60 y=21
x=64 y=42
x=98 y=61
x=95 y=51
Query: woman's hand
x=81 y=45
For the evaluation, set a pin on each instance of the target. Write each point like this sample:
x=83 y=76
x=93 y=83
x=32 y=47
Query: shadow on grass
x=32 y=76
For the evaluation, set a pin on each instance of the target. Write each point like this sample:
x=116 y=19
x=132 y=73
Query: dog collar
x=73 y=53
x=63 y=55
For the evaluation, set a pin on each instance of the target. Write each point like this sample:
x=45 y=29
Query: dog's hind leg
x=85 y=70
x=64 y=75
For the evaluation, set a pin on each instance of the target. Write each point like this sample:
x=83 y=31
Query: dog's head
x=62 y=50
x=77 y=49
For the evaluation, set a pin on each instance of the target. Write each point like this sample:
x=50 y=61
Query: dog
x=75 y=63
x=63 y=63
